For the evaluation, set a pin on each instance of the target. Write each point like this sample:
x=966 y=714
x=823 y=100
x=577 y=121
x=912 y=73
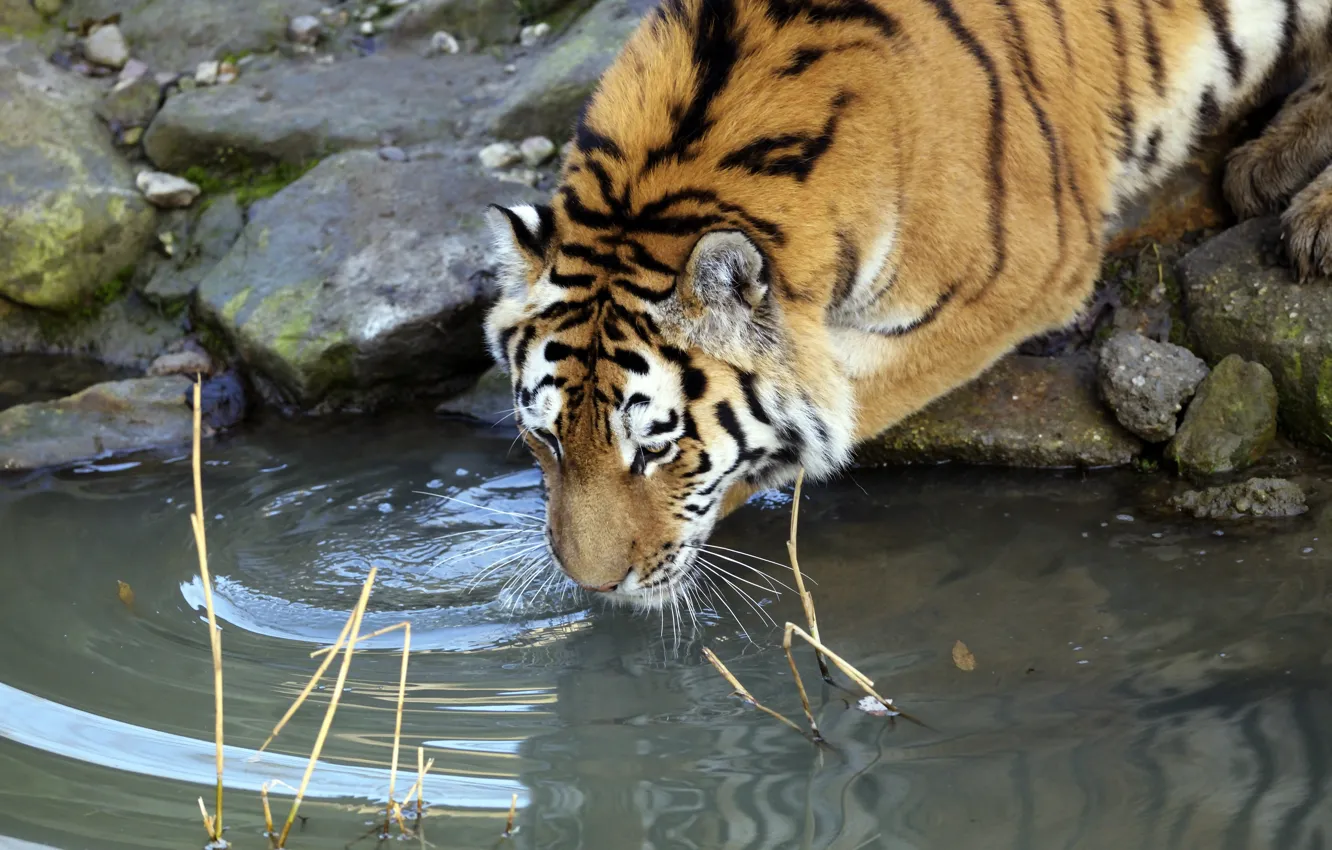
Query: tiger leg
x=1307 y=226
x=1263 y=174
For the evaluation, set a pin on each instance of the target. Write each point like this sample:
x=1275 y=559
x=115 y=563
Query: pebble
x=392 y=153
x=106 y=46
x=47 y=8
x=186 y=362
x=531 y=36
x=207 y=72
x=367 y=28
x=227 y=73
x=133 y=70
x=442 y=42
x=500 y=155
x=537 y=150
x=525 y=176
x=166 y=190
x=510 y=69
x=305 y=29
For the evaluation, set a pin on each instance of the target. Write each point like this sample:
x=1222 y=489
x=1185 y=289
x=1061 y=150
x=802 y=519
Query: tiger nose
x=604 y=588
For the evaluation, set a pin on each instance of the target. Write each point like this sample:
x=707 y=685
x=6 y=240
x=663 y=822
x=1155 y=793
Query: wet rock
x=537 y=151
x=1025 y=411
x=182 y=33
x=48 y=8
x=105 y=419
x=206 y=73
x=1242 y=299
x=298 y=113
x=18 y=17
x=222 y=400
x=547 y=100
x=202 y=243
x=106 y=45
x=500 y=155
x=1231 y=421
x=133 y=70
x=70 y=217
x=443 y=43
x=132 y=103
x=1146 y=383
x=166 y=190
x=125 y=333
x=392 y=153
x=1257 y=497
x=489 y=400
x=479 y=22
x=305 y=29
x=188 y=362
x=360 y=282
x=534 y=34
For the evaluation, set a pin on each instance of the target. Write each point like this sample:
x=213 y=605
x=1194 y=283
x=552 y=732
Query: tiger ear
x=521 y=234
x=725 y=288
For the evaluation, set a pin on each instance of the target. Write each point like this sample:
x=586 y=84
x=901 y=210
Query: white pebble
x=106 y=46
x=166 y=190
x=537 y=150
x=205 y=74
x=304 y=29
x=442 y=42
x=500 y=155
x=533 y=35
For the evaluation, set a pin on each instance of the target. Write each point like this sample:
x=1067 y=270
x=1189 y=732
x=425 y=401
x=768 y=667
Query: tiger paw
x=1307 y=230
x=1251 y=184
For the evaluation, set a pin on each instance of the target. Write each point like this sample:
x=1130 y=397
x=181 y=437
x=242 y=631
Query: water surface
x=1142 y=680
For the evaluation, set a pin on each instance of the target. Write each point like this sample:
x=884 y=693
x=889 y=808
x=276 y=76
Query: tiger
x=783 y=226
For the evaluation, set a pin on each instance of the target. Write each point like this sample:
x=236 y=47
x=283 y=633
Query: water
x=1142 y=680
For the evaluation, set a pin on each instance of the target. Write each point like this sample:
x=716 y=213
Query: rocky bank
x=286 y=197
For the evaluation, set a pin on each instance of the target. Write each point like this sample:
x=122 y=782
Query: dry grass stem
x=855 y=675
x=268 y=812
x=513 y=813
x=310 y=685
x=207 y=819
x=356 y=616
x=420 y=781
x=806 y=600
x=362 y=639
x=744 y=693
x=214 y=636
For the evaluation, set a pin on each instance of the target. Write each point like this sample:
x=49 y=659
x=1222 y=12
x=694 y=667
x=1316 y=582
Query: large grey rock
x=178 y=34
x=1257 y=497
x=126 y=333
x=548 y=99
x=132 y=103
x=303 y=112
x=1231 y=422
x=363 y=280
x=70 y=217
x=102 y=420
x=1241 y=299
x=1025 y=411
x=1146 y=383
x=202 y=242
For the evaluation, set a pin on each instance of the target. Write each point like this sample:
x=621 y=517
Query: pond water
x=1141 y=680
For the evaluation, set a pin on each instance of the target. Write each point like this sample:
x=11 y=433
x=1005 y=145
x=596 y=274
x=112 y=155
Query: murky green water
x=1141 y=681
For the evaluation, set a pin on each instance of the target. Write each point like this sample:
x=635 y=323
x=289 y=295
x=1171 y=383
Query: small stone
x=367 y=28
x=1257 y=497
x=130 y=136
x=305 y=29
x=525 y=176
x=165 y=78
x=1230 y=423
x=47 y=8
x=1146 y=383
x=369 y=13
x=227 y=72
x=531 y=36
x=442 y=42
x=500 y=155
x=131 y=103
x=511 y=69
x=391 y=153
x=189 y=362
x=537 y=150
x=133 y=70
x=206 y=73
x=106 y=46
x=166 y=190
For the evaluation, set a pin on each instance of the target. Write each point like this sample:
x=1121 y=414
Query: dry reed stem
x=357 y=614
x=268 y=812
x=397 y=724
x=310 y=685
x=326 y=650
x=420 y=781
x=744 y=693
x=806 y=599
x=214 y=636
x=207 y=819
x=855 y=675
x=513 y=813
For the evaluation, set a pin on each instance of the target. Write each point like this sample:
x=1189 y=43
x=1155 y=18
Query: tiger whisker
x=512 y=557
x=766 y=587
x=524 y=517
x=471 y=553
x=726 y=577
x=720 y=597
x=753 y=569
x=714 y=549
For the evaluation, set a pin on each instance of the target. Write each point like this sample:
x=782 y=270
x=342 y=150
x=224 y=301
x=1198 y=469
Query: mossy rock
x=1240 y=298
x=1231 y=422
x=70 y=217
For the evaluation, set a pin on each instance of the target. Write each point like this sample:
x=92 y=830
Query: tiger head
x=655 y=373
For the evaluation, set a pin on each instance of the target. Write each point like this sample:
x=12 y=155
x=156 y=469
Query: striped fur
x=788 y=224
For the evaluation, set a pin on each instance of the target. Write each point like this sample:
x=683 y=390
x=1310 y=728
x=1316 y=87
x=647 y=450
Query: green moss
x=250 y=182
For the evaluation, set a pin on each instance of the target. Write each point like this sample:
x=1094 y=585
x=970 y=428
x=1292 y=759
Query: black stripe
x=1219 y=17
x=716 y=51
x=619 y=205
x=527 y=240
x=593 y=257
x=1209 y=111
x=580 y=214
x=644 y=259
x=630 y=361
x=848 y=266
x=1153 y=152
x=664 y=426
x=590 y=141
x=643 y=292
x=520 y=353
x=1289 y=28
x=1124 y=116
x=1153 y=45
x=801 y=60
x=695 y=383
x=555 y=351
x=998 y=193
x=726 y=419
x=751 y=398
x=922 y=320
x=570 y=281
x=782 y=12
x=1057 y=12
x=704 y=466
x=791 y=154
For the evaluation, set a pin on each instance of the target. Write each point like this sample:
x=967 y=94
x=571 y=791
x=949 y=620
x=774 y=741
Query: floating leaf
x=962 y=657
x=870 y=705
x=125 y=592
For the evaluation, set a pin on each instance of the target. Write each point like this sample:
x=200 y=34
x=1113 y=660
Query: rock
x=305 y=29
x=392 y=153
x=1146 y=383
x=1189 y=200
x=204 y=241
x=106 y=45
x=480 y=22
x=302 y=112
x=1230 y=423
x=105 y=419
x=133 y=70
x=534 y=35
x=537 y=150
x=166 y=190
x=48 y=8
x=70 y=218
x=548 y=98
x=489 y=400
x=525 y=176
x=1257 y=497
x=183 y=33
x=205 y=74
x=500 y=155
x=360 y=282
x=19 y=18
x=189 y=362
x=223 y=401
x=227 y=72
x=132 y=103
x=1025 y=411
x=1242 y=301
x=443 y=43
x=125 y=333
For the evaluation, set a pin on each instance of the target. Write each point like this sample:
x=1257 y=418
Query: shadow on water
x=1142 y=681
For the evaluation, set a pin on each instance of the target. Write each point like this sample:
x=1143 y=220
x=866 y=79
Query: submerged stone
x=1231 y=422
x=1257 y=497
